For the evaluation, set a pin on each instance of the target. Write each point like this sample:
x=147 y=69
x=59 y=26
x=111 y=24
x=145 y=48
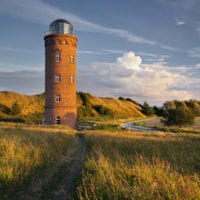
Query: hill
x=24 y=108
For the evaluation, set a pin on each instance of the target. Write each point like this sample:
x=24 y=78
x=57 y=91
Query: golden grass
x=122 y=109
x=132 y=165
x=25 y=152
x=28 y=104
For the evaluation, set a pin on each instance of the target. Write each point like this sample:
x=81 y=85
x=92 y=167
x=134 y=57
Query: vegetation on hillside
x=15 y=107
x=128 y=165
x=98 y=107
x=29 y=109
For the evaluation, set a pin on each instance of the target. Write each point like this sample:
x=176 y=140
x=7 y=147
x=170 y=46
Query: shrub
x=103 y=110
x=121 y=98
x=85 y=97
x=178 y=117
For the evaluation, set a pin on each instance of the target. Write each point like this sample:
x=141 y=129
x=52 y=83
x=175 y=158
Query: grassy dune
x=89 y=108
x=120 y=108
x=25 y=152
x=28 y=104
x=128 y=165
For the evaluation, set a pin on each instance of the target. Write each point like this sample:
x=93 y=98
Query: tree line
x=175 y=112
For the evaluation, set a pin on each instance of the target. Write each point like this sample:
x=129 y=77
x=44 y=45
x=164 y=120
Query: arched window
x=58 y=57
x=57 y=98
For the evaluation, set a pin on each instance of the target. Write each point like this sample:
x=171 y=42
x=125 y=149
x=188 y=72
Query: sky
x=139 y=49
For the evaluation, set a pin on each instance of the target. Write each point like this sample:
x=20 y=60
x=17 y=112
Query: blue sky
x=145 y=50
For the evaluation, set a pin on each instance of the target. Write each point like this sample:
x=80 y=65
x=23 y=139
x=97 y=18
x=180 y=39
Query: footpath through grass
x=146 y=166
x=25 y=152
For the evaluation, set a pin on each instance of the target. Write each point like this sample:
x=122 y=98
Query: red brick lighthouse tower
x=60 y=74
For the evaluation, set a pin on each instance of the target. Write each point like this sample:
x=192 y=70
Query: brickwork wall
x=66 y=109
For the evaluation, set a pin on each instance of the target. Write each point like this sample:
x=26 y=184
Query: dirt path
x=59 y=182
x=130 y=125
x=66 y=189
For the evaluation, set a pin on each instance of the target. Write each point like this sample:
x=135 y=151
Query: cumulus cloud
x=128 y=77
x=130 y=61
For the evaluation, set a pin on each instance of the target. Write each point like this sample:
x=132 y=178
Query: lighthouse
x=60 y=74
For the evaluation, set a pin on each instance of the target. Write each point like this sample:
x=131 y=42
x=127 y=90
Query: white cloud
x=129 y=61
x=179 y=22
x=37 y=11
x=128 y=77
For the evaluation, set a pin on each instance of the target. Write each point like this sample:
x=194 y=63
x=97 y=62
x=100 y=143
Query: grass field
x=27 y=151
x=132 y=165
x=120 y=164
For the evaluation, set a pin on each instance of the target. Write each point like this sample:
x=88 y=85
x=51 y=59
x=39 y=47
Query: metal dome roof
x=60 y=26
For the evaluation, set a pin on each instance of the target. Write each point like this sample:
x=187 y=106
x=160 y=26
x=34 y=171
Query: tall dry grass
x=26 y=152
x=128 y=165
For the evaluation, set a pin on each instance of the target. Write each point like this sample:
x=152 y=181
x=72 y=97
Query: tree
x=147 y=110
x=158 y=110
x=178 y=116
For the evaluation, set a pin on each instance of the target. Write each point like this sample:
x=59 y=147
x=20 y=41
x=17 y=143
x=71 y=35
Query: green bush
x=178 y=117
x=103 y=110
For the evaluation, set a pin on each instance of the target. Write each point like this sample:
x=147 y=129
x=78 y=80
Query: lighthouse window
x=71 y=79
x=58 y=98
x=71 y=59
x=57 y=119
x=57 y=78
x=58 y=57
